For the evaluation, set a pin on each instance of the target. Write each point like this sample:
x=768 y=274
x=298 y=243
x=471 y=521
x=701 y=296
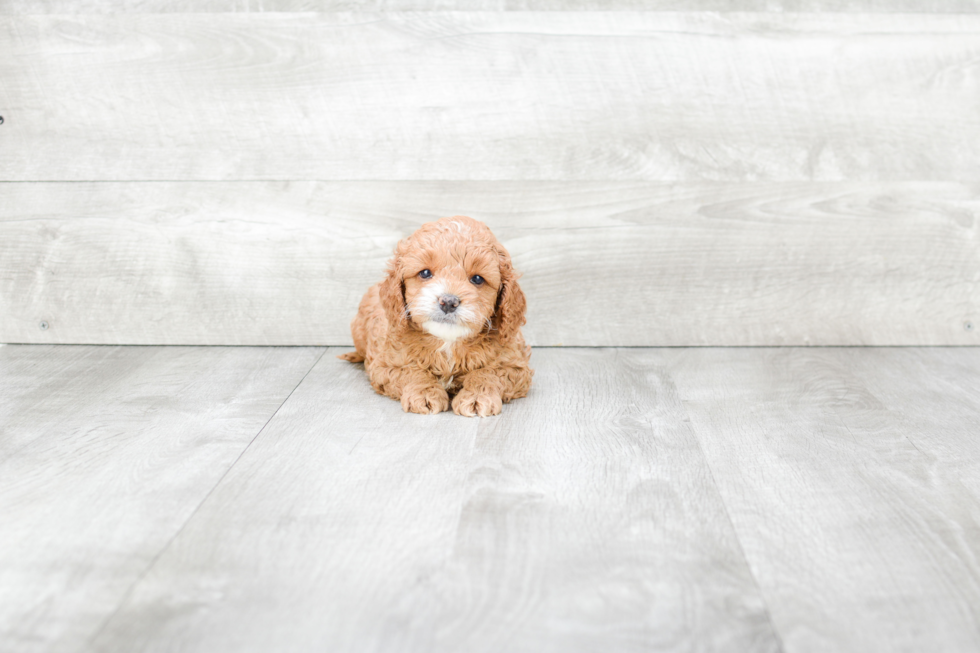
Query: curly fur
x=474 y=359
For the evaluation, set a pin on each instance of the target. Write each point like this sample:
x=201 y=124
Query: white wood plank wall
x=757 y=177
x=212 y=6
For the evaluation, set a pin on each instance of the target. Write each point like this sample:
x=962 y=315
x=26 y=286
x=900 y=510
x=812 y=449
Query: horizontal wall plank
x=604 y=263
x=505 y=95
x=216 y=6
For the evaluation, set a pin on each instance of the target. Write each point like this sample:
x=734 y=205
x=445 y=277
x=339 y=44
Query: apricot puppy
x=444 y=327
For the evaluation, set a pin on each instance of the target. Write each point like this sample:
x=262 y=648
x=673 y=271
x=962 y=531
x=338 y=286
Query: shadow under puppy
x=446 y=323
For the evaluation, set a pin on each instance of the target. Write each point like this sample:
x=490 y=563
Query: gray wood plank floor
x=859 y=536
x=200 y=499
x=105 y=452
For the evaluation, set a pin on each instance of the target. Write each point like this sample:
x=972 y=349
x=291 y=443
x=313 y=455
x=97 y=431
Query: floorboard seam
x=12 y=455
x=165 y=547
x=731 y=522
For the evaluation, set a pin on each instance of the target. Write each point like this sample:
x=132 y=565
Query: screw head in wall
x=968 y=325
x=43 y=325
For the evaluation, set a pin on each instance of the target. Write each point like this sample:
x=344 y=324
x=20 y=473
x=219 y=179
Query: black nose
x=448 y=303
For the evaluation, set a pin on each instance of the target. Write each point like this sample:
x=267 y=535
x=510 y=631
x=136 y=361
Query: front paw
x=425 y=400
x=470 y=404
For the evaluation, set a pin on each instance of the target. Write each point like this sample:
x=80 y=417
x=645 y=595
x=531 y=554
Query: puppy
x=444 y=327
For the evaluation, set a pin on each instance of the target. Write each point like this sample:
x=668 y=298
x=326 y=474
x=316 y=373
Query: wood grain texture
x=934 y=394
x=581 y=519
x=490 y=95
x=861 y=538
x=217 y=6
x=104 y=455
x=609 y=510
x=604 y=263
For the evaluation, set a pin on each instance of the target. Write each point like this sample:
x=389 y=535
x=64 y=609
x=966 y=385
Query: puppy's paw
x=426 y=400
x=470 y=404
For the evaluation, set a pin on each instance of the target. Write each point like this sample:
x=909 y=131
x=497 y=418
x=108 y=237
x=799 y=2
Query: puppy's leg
x=418 y=390
x=516 y=381
x=482 y=394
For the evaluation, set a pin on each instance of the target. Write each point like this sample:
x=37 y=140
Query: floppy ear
x=392 y=292
x=508 y=316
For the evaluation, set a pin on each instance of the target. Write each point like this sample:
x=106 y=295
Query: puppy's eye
x=425 y=274
x=476 y=280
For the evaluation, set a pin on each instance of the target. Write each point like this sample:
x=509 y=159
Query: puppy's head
x=453 y=279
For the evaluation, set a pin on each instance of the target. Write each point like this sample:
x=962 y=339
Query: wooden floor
x=264 y=499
